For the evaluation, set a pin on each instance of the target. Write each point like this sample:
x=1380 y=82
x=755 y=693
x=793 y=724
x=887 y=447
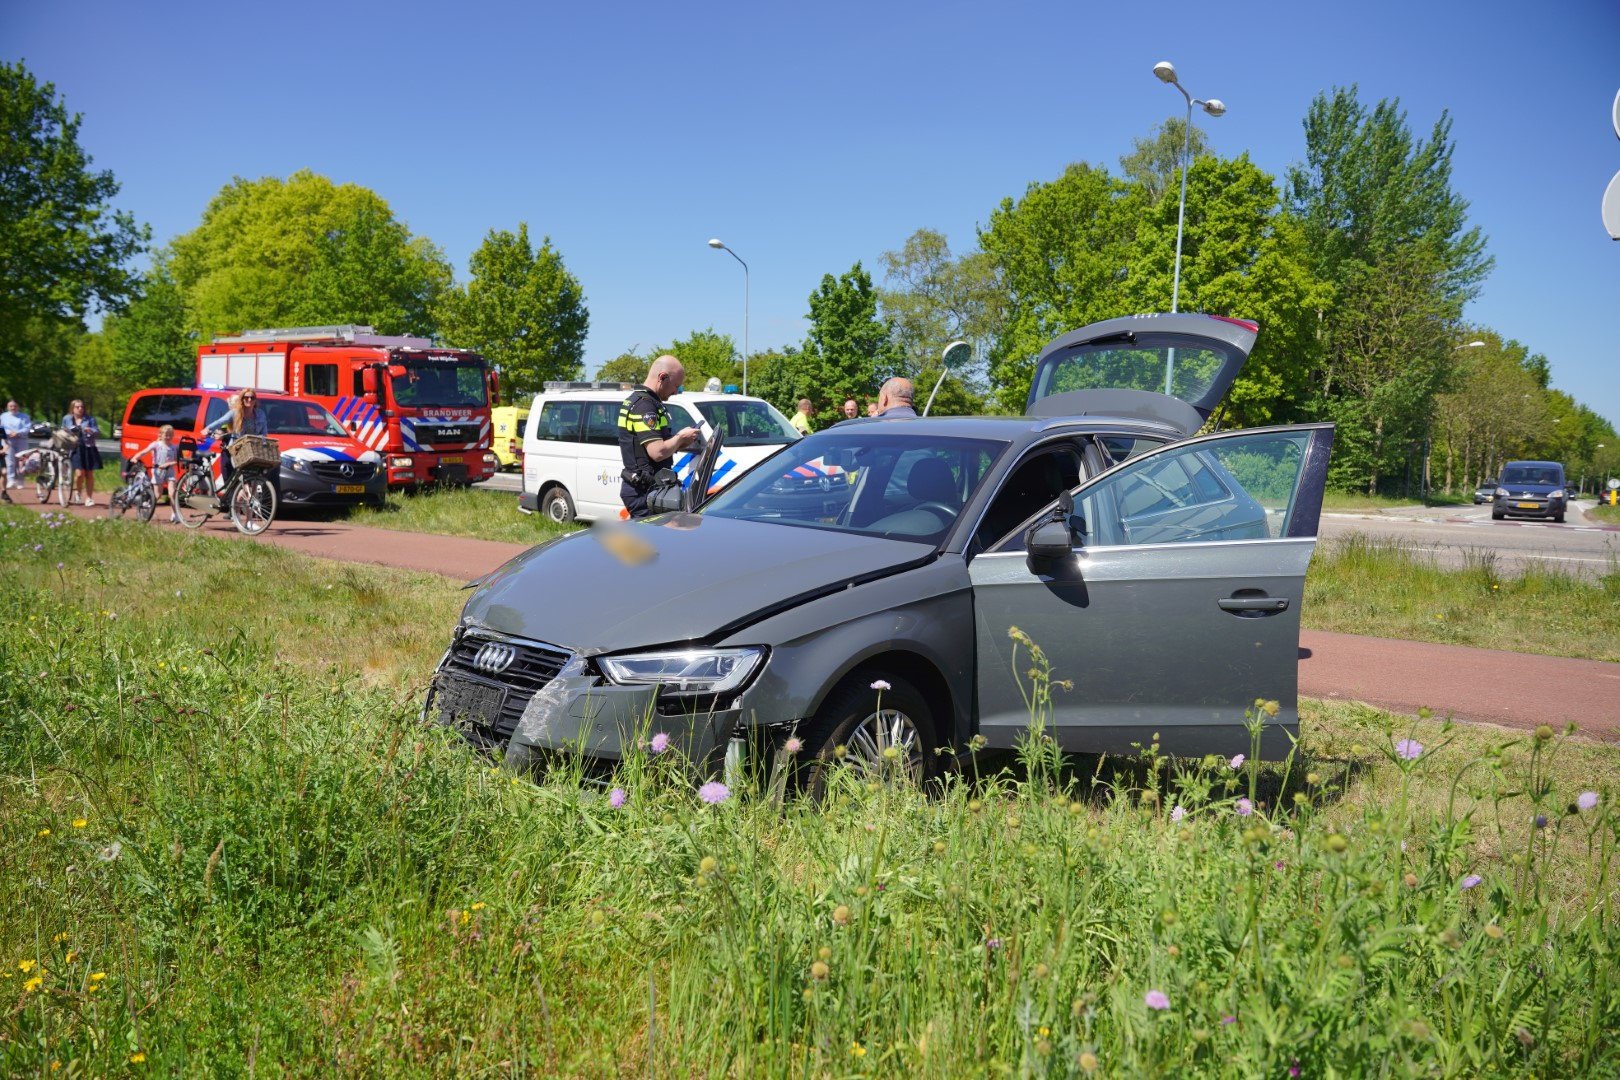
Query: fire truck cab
x=423 y=407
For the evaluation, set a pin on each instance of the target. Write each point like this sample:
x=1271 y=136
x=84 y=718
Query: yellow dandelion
x=478 y=906
x=44 y=832
x=136 y=1058
x=79 y=823
x=33 y=984
x=59 y=938
x=71 y=954
x=25 y=966
x=857 y=1050
x=97 y=976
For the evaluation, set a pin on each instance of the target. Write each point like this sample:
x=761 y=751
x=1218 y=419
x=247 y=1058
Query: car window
x=299 y=418
x=217 y=407
x=748 y=423
x=1238 y=488
x=1124 y=447
x=1532 y=474
x=155 y=410
x=908 y=487
x=602 y=422
x=559 y=421
x=1034 y=483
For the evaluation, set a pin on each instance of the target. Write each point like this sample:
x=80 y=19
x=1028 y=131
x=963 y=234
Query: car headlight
x=684 y=671
x=1501 y=493
x=1559 y=494
x=400 y=462
x=295 y=464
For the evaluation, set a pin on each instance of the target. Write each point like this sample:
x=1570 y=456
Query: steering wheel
x=949 y=512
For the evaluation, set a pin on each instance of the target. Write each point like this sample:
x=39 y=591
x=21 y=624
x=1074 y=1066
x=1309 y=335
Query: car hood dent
x=674 y=578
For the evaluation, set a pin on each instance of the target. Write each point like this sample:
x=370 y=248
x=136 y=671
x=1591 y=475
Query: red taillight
x=1248 y=324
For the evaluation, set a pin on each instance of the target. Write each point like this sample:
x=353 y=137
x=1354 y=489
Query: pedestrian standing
x=646 y=442
x=801 y=417
x=85 y=457
x=894 y=399
x=14 y=425
x=851 y=409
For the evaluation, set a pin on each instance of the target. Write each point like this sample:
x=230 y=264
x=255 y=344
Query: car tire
x=1497 y=515
x=1559 y=517
x=557 y=505
x=850 y=720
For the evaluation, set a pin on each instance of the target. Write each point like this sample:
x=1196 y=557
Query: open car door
x=702 y=474
x=1174 y=604
x=1173 y=369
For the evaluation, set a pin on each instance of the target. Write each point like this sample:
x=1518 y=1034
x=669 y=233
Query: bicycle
x=137 y=494
x=249 y=496
x=50 y=466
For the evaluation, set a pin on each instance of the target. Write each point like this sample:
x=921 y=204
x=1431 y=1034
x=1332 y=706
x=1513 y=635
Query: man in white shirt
x=14 y=425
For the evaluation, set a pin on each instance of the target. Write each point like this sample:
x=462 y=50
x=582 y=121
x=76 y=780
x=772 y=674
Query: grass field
x=227 y=846
x=1344 y=501
x=1608 y=515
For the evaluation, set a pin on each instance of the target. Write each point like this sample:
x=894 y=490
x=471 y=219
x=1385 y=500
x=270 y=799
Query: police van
x=571 y=460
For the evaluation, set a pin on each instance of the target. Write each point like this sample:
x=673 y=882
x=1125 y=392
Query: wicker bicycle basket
x=255 y=452
x=64 y=440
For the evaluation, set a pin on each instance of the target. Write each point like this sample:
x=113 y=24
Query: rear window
x=155 y=410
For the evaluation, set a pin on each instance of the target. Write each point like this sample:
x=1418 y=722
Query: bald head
x=896 y=392
x=665 y=376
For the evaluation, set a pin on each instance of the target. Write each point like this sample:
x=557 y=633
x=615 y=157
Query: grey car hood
x=588 y=592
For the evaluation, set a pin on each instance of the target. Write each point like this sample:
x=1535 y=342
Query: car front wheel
x=879 y=734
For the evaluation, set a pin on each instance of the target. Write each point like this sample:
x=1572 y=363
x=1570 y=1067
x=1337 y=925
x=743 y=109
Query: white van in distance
x=571 y=460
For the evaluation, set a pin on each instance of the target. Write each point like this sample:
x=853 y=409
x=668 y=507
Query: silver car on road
x=1160 y=571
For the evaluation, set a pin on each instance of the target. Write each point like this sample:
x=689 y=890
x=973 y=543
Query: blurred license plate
x=464 y=703
x=454 y=460
x=1529 y=506
x=350 y=489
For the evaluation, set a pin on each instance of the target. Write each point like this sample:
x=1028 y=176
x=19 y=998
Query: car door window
x=602 y=422
x=1037 y=480
x=559 y=421
x=1238 y=488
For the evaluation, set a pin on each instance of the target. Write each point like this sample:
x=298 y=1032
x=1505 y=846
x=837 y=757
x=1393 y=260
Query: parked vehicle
x=322 y=464
x=424 y=408
x=1160 y=571
x=1486 y=492
x=571 y=462
x=1530 y=489
x=506 y=423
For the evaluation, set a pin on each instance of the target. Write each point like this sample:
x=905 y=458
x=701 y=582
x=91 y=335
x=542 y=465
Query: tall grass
x=264 y=864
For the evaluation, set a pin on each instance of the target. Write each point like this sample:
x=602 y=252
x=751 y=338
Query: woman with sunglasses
x=245 y=418
x=86 y=456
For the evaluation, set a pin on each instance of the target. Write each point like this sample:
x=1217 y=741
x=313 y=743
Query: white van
x=571 y=460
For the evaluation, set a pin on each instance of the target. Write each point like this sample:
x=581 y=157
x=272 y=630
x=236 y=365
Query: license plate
x=464 y=703
x=455 y=459
x=1529 y=506
x=350 y=489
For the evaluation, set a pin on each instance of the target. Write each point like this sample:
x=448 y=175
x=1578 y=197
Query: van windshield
x=1532 y=474
x=748 y=423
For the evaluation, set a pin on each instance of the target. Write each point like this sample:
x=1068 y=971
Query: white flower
x=881 y=685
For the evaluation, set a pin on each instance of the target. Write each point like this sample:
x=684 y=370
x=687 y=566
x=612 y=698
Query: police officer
x=645 y=441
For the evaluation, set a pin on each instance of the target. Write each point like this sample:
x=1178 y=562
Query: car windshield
x=299 y=418
x=1531 y=474
x=440 y=383
x=903 y=486
x=748 y=423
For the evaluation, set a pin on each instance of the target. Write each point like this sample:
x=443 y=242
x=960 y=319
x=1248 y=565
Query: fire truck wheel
x=557 y=505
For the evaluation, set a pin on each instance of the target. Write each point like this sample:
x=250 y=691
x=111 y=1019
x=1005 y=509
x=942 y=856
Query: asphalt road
x=1454 y=535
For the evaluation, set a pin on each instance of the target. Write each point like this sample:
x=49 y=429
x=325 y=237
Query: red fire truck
x=423 y=407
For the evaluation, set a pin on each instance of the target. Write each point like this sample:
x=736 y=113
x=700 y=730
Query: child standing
x=164 y=455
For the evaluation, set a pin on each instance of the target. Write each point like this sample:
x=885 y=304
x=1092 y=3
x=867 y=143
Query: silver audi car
x=858 y=589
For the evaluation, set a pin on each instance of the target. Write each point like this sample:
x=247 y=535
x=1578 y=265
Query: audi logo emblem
x=494 y=658
x=346 y=469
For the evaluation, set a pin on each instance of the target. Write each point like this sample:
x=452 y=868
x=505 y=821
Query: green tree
x=1060 y=254
x=932 y=298
x=63 y=249
x=273 y=252
x=848 y=352
x=629 y=366
x=522 y=310
x=1154 y=165
x=149 y=345
x=705 y=355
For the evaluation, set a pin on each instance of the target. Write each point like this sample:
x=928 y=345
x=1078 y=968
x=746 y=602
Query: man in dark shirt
x=646 y=443
x=894 y=399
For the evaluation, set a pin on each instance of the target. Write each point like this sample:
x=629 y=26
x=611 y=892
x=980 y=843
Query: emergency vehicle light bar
x=598 y=385
x=348 y=334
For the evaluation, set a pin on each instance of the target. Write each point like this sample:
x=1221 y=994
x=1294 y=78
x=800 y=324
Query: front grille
x=332 y=471
x=457 y=436
x=532 y=667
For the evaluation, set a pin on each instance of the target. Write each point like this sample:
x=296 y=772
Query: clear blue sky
x=810 y=136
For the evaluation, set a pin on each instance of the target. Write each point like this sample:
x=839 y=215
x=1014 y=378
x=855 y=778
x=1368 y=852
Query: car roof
x=1539 y=464
x=1011 y=428
x=214 y=391
x=697 y=397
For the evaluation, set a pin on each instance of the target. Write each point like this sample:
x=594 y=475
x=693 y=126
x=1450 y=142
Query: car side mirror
x=1049 y=540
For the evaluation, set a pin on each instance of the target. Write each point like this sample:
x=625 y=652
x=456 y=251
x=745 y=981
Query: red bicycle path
x=1518 y=690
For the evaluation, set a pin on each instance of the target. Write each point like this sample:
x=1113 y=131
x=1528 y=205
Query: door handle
x=1253 y=606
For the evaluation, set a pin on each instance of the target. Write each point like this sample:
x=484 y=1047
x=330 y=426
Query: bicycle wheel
x=194 y=499
x=117 y=503
x=253 y=505
x=144 y=502
x=45 y=479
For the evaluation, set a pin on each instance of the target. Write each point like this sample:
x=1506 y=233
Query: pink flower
x=1408 y=749
x=1236 y=763
x=660 y=742
x=1587 y=800
x=1244 y=807
x=1470 y=881
x=793 y=745
x=1178 y=812
x=881 y=685
x=617 y=797
x=1156 y=999
x=714 y=792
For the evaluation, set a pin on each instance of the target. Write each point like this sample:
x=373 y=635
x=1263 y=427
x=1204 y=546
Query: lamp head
x=1215 y=106
x=716 y=244
x=1165 y=70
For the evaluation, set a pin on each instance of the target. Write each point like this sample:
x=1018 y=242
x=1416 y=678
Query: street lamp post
x=718 y=246
x=1166 y=71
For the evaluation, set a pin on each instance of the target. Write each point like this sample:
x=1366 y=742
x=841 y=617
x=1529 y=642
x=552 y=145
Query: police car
x=571 y=460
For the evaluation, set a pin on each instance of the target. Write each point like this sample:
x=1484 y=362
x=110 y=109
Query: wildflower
x=1244 y=807
x=1411 y=880
x=708 y=864
x=1337 y=844
x=793 y=745
x=714 y=792
x=891 y=753
x=879 y=684
x=97 y=976
x=1293 y=1068
x=660 y=743
x=1228 y=1020
x=1470 y=881
x=25 y=966
x=857 y=1050
x=616 y=797
x=1236 y=763
x=136 y=1058
x=1408 y=749
x=1156 y=999
x=1313 y=778
x=1178 y=812
x=1587 y=800
x=43 y=832
x=1270 y=708
x=1541 y=821
x=479 y=906
x=33 y=984
x=59 y=566
x=1493 y=931
x=939 y=847
x=59 y=938
x=993 y=944
x=819 y=970
x=1088 y=1062
x=840 y=915
x=79 y=823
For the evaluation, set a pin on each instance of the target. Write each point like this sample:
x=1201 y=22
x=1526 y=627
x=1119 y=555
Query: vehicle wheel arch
x=916 y=669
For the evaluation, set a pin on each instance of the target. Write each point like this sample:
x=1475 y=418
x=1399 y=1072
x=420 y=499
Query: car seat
x=1032 y=485
x=930 y=480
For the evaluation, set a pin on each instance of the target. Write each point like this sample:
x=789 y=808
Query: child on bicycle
x=164 y=455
